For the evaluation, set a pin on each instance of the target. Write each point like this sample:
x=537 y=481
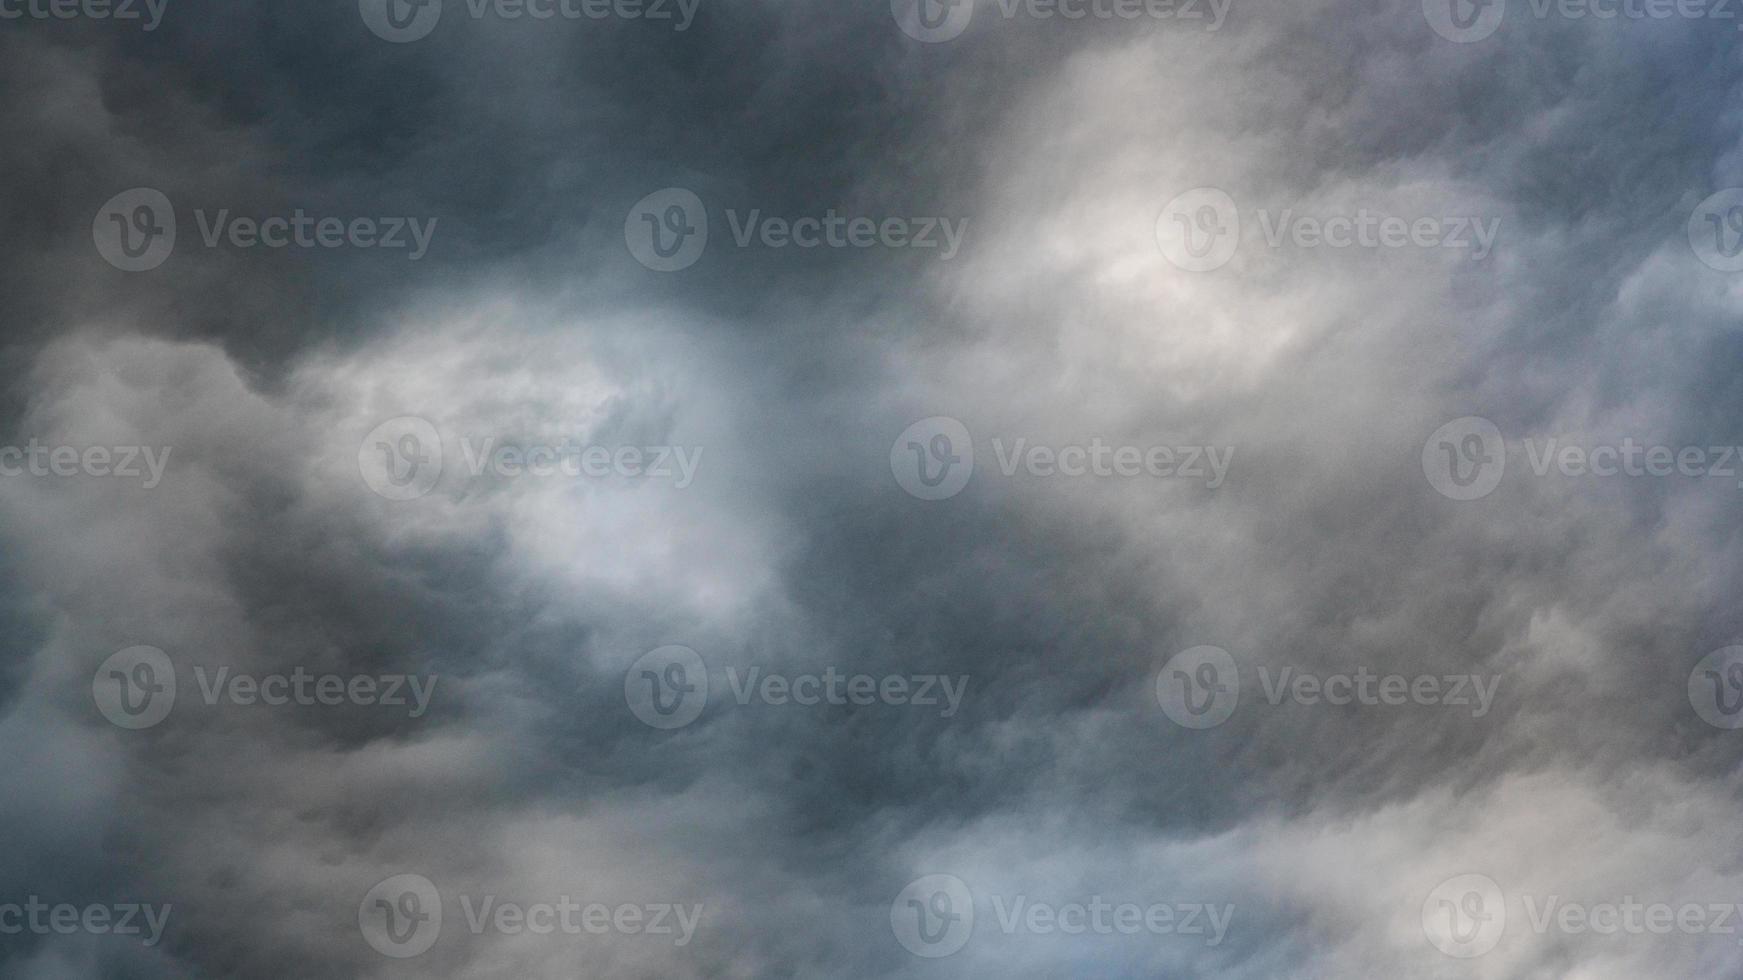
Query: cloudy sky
x=768 y=488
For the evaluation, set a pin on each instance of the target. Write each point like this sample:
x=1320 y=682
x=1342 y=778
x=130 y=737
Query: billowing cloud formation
x=532 y=611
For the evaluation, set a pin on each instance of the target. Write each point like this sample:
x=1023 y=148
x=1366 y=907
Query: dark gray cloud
x=776 y=537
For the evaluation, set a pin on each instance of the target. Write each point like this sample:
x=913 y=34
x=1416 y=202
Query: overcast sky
x=771 y=488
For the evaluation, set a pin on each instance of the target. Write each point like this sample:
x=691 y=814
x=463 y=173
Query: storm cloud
x=757 y=488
